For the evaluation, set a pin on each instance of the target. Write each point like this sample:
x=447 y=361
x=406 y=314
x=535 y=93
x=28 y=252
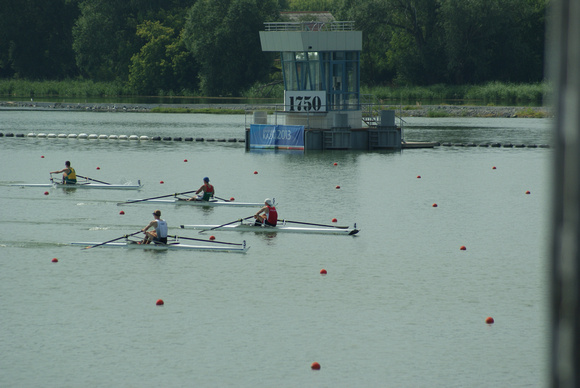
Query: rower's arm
x=151 y=224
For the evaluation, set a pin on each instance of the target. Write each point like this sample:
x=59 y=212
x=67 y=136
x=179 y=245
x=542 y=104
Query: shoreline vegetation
x=434 y=111
x=493 y=99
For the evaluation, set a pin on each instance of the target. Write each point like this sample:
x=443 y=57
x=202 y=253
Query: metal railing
x=309 y=26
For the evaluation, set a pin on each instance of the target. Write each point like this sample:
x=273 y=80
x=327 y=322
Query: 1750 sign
x=305 y=101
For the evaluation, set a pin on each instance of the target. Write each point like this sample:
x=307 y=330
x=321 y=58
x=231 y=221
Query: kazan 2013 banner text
x=284 y=137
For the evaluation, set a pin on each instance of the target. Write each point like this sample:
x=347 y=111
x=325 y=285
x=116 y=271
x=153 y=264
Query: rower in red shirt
x=270 y=216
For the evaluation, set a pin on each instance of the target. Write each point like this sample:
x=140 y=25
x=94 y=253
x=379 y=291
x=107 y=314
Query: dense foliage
x=212 y=47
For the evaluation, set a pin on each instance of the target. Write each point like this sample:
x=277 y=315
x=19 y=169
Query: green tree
x=36 y=39
x=105 y=35
x=224 y=37
x=401 y=39
x=376 y=34
x=493 y=40
x=163 y=63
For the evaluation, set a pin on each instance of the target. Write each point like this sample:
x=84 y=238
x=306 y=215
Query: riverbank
x=403 y=111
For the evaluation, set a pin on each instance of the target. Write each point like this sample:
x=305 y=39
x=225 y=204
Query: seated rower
x=69 y=175
x=159 y=235
x=270 y=216
x=207 y=189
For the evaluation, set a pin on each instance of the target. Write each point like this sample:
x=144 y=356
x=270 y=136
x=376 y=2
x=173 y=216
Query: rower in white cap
x=270 y=216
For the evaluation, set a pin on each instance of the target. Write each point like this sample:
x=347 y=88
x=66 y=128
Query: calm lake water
x=401 y=305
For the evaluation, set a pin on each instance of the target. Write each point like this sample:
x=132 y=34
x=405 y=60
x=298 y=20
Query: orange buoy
x=160 y=302
x=55 y=260
x=323 y=271
x=46 y=193
x=434 y=205
x=315 y=366
x=337 y=186
x=489 y=320
x=232 y=199
x=493 y=168
x=121 y=212
x=334 y=220
x=185 y=160
x=528 y=192
x=462 y=248
x=161 y=182
x=212 y=238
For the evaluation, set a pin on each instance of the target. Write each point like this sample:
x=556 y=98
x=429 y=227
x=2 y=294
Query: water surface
x=401 y=304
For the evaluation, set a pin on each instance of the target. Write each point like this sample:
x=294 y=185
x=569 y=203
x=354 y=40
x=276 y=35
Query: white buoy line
x=92 y=136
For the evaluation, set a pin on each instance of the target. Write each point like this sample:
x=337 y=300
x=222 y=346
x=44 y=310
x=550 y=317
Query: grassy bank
x=494 y=93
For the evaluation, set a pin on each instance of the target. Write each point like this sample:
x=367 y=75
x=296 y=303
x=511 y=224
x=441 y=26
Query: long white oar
x=161 y=196
x=94 y=180
x=229 y=223
x=200 y=239
x=106 y=242
x=308 y=223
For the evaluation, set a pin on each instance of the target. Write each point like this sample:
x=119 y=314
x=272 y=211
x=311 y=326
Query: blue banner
x=285 y=137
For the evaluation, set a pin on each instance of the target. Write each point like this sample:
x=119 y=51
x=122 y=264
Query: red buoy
x=121 y=212
x=255 y=172
x=462 y=248
x=489 y=320
x=336 y=164
x=46 y=193
x=212 y=238
x=232 y=199
x=323 y=271
x=493 y=168
x=98 y=168
x=55 y=260
x=434 y=205
x=334 y=220
x=418 y=176
x=315 y=366
x=161 y=182
x=42 y=157
x=160 y=302
x=337 y=186
x=528 y=192
x=185 y=160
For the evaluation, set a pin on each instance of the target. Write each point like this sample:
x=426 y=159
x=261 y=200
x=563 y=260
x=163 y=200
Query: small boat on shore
x=282 y=227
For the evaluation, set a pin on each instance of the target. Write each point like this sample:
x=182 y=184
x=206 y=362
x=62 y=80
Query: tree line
x=212 y=47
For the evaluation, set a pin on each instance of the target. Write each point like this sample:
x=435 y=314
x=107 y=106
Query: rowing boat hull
x=276 y=229
x=170 y=246
x=80 y=186
x=174 y=201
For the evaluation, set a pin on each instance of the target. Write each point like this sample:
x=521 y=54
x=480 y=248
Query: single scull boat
x=171 y=245
x=281 y=227
x=83 y=184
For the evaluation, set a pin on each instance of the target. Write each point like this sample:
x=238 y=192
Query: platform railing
x=310 y=26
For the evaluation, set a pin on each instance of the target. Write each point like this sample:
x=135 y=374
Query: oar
x=199 y=239
x=223 y=199
x=161 y=196
x=308 y=223
x=94 y=180
x=106 y=242
x=229 y=223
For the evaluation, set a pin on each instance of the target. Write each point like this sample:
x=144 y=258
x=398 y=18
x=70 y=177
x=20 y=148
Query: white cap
x=268 y=201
